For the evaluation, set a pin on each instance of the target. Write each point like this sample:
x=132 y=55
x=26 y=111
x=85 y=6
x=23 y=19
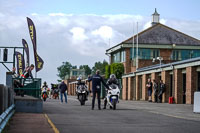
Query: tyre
x=110 y=107
x=82 y=100
x=114 y=104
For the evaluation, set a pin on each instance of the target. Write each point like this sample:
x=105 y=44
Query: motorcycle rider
x=111 y=80
x=45 y=88
x=79 y=82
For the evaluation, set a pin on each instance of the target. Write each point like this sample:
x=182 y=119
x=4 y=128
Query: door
x=184 y=88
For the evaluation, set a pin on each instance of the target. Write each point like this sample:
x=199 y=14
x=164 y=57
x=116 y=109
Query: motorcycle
x=82 y=94
x=113 y=96
x=44 y=94
x=56 y=93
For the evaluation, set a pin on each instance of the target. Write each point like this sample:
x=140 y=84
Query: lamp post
x=160 y=60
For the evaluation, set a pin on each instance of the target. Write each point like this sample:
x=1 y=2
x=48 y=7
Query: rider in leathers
x=111 y=80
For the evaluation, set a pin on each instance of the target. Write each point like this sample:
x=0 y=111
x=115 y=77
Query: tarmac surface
x=130 y=117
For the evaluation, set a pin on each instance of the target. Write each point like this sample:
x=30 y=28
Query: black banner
x=20 y=63
x=38 y=60
x=27 y=52
x=32 y=32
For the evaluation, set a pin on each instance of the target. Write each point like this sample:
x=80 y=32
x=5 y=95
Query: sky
x=78 y=31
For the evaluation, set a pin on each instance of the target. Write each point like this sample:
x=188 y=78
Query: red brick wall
x=165 y=54
x=127 y=64
x=130 y=89
x=178 y=86
x=165 y=76
x=144 y=88
x=191 y=84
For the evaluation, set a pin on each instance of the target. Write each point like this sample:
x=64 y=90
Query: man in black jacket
x=63 y=88
x=96 y=88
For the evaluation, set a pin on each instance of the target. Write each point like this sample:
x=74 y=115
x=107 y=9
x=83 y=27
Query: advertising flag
x=20 y=63
x=27 y=52
x=38 y=60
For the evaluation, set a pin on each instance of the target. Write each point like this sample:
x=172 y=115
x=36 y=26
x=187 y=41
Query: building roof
x=162 y=35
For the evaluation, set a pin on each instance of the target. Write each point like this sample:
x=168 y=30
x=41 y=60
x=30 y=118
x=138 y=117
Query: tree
x=99 y=66
x=87 y=69
x=117 y=69
x=64 y=69
x=114 y=68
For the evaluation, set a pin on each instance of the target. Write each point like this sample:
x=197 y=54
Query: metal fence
x=6 y=105
x=31 y=87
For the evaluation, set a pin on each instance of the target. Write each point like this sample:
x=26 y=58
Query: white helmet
x=79 y=78
x=112 y=76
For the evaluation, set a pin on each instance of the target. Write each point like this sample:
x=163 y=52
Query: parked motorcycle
x=82 y=93
x=113 y=96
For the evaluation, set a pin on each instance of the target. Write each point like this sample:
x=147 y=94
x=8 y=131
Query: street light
x=158 y=58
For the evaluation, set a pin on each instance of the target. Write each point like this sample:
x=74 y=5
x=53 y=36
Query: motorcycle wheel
x=114 y=105
x=110 y=107
x=82 y=100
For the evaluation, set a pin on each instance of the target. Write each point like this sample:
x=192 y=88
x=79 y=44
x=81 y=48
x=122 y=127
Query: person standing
x=63 y=89
x=96 y=87
x=162 y=90
x=155 y=89
x=149 y=87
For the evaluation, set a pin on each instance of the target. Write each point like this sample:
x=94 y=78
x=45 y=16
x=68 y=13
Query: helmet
x=79 y=78
x=45 y=82
x=112 y=76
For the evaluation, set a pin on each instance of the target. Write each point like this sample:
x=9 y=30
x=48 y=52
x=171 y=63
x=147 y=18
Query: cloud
x=79 y=39
x=104 y=32
x=78 y=34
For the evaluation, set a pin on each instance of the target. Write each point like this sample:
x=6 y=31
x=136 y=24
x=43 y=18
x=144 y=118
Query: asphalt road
x=73 y=118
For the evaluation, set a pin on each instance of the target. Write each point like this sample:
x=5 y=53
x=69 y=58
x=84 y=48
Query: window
x=116 y=57
x=123 y=56
x=155 y=53
x=185 y=54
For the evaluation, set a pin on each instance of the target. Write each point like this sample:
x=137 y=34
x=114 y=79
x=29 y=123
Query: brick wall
x=127 y=64
x=191 y=84
x=165 y=76
x=178 y=86
x=144 y=88
x=165 y=54
x=130 y=88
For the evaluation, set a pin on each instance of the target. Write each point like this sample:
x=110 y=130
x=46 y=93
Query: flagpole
x=137 y=49
x=133 y=45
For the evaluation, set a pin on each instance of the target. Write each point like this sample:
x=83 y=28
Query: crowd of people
x=157 y=88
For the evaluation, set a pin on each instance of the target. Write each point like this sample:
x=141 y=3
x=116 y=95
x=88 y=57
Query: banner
x=20 y=63
x=32 y=32
x=38 y=60
x=27 y=52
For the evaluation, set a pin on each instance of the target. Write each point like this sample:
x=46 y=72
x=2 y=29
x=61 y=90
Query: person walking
x=63 y=88
x=96 y=87
x=162 y=90
x=155 y=89
x=149 y=87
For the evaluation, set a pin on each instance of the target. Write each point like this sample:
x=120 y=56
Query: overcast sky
x=78 y=31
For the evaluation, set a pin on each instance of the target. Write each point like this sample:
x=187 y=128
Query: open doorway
x=184 y=88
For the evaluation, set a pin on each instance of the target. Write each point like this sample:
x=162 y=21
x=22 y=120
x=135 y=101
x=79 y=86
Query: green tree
x=87 y=69
x=99 y=66
x=64 y=69
x=107 y=71
x=117 y=69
